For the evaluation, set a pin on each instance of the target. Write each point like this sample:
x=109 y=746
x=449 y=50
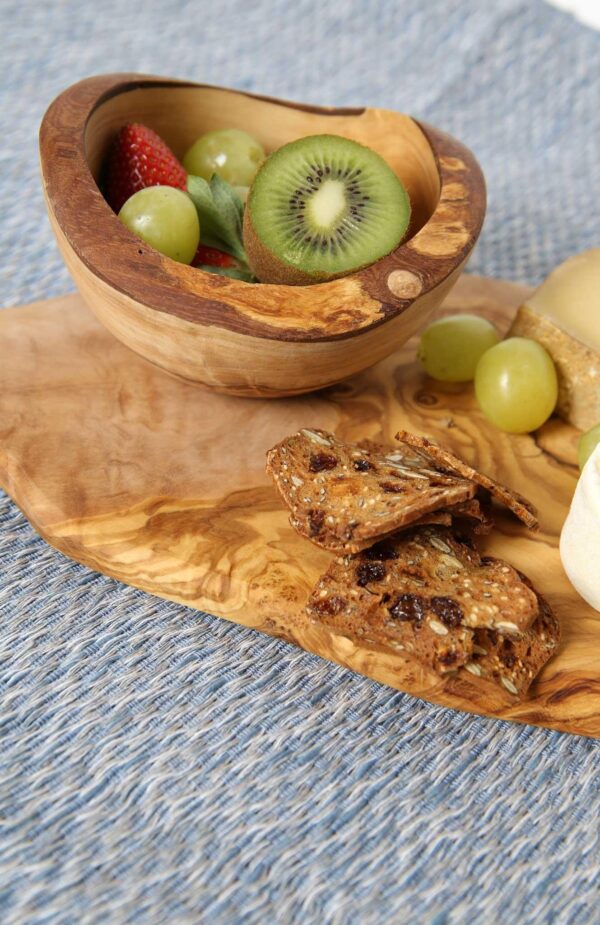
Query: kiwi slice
x=322 y=207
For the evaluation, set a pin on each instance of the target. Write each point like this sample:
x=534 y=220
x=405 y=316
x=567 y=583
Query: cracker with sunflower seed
x=446 y=462
x=515 y=662
x=422 y=591
x=345 y=497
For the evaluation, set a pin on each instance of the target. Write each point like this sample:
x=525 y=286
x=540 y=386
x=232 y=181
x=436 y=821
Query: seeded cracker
x=514 y=663
x=344 y=497
x=422 y=591
x=474 y=514
x=447 y=462
x=379 y=596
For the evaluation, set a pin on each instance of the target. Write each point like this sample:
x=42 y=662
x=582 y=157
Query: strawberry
x=139 y=158
x=210 y=256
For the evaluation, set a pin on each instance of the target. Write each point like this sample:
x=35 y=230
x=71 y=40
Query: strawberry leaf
x=220 y=211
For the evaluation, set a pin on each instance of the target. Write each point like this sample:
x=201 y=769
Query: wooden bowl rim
x=70 y=187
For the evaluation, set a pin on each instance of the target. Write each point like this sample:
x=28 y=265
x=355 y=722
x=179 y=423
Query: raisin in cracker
x=514 y=663
x=447 y=462
x=344 y=497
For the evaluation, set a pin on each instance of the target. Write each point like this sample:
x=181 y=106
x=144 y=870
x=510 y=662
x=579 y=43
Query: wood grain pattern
x=161 y=484
x=229 y=335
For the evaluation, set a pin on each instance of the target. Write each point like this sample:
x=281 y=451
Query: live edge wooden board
x=161 y=484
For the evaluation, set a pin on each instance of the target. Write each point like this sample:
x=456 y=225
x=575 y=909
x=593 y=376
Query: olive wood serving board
x=160 y=484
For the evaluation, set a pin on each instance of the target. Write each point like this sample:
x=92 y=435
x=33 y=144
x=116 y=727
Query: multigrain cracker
x=344 y=497
x=422 y=590
x=410 y=578
x=357 y=597
x=515 y=662
x=447 y=462
x=475 y=514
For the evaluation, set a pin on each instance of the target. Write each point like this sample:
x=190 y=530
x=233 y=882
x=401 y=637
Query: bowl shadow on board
x=255 y=340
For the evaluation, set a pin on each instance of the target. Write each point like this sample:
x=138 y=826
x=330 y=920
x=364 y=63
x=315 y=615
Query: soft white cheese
x=580 y=537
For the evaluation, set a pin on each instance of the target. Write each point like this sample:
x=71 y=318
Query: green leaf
x=233 y=272
x=220 y=211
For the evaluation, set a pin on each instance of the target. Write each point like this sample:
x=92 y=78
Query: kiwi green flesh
x=322 y=207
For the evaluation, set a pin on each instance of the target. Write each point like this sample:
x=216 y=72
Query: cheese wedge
x=563 y=315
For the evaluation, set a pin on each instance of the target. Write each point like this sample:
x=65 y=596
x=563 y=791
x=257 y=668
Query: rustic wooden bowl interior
x=253 y=339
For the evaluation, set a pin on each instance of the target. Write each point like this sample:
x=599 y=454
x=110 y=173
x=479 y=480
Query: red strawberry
x=139 y=158
x=210 y=256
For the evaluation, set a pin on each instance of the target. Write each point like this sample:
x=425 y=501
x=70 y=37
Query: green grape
x=587 y=444
x=516 y=385
x=232 y=154
x=451 y=347
x=165 y=218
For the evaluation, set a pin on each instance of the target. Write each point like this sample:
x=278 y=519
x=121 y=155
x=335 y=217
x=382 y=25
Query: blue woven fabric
x=161 y=766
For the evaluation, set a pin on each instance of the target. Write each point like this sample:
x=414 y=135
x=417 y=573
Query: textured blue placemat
x=160 y=766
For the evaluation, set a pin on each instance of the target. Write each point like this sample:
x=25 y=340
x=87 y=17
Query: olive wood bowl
x=236 y=337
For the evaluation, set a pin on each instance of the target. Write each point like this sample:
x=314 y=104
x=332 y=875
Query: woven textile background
x=161 y=766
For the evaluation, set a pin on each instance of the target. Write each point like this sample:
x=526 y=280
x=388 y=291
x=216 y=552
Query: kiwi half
x=322 y=207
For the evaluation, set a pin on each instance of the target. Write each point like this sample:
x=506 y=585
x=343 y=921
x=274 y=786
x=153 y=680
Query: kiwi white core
x=327 y=205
